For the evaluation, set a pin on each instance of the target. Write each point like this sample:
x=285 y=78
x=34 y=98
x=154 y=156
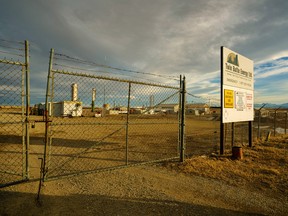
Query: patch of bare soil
x=202 y=185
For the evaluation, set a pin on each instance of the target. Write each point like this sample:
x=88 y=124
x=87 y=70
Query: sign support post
x=222 y=140
x=250 y=134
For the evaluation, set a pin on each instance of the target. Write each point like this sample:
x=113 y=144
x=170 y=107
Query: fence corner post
x=27 y=93
x=183 y=106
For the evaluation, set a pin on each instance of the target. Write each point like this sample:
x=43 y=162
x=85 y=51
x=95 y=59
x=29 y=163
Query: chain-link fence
x=203 y=127
x=270 y=122
x=202 y=123
x=94 y=122
x=236 y=134
x=98 y=122
x=14 y=101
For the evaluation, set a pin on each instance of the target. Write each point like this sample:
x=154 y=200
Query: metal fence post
x=27 y=71
x=222 y=126
x=183 y=105
x=48 y=94
x=275 y=119
x=259 y=118
x=24 y=122
x=15 y=94
x=127 y=122
x=179 y=115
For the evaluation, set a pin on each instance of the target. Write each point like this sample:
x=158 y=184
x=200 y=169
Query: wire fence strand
x=76 y=60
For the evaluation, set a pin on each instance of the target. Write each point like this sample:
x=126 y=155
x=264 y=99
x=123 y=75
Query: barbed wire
x=69 y=58
x=10 y=41
x=13 y=48
x=204 y=98
x=9 y=47
x=85 y=69
x=15 y=54
x=101 y=71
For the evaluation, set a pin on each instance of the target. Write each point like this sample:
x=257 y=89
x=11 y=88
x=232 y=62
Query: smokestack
x=93 y=94
x=74 y=94
x=151 y=101
x=93 y=99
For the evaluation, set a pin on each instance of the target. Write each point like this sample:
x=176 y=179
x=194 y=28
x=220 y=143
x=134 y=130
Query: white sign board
x=237 y=87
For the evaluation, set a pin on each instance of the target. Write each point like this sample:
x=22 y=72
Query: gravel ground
x=145 y=190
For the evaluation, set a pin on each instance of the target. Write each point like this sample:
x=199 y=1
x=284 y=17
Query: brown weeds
x=265 y=166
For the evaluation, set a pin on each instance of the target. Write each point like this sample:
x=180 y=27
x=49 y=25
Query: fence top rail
x=111 y=79
x=5 y=61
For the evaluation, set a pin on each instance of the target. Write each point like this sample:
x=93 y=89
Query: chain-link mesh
x=154 y=136
x=236 y=134
x=270 y=122
x=103 y=123
x=202 y=126
x=12 y=120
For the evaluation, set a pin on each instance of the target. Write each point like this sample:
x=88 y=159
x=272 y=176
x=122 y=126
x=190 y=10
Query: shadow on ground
x=15 y=203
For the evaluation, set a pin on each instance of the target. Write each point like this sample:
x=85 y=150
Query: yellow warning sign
x=228 y=98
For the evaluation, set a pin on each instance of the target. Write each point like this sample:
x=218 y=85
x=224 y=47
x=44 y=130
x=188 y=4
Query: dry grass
x=265 y=166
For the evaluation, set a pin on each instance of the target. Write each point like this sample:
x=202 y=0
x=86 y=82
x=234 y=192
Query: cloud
x=163 y=37
x=270 y=81
x=271 y=68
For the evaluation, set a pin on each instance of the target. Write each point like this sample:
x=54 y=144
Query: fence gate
x=98 y=123
x=14 y=112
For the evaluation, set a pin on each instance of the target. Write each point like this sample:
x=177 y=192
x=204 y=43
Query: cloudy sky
x=164 y=37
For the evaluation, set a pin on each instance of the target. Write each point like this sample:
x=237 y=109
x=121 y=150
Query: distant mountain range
x=270 y=105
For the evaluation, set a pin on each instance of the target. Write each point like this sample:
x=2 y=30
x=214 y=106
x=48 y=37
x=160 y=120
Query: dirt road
x=145 y=190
